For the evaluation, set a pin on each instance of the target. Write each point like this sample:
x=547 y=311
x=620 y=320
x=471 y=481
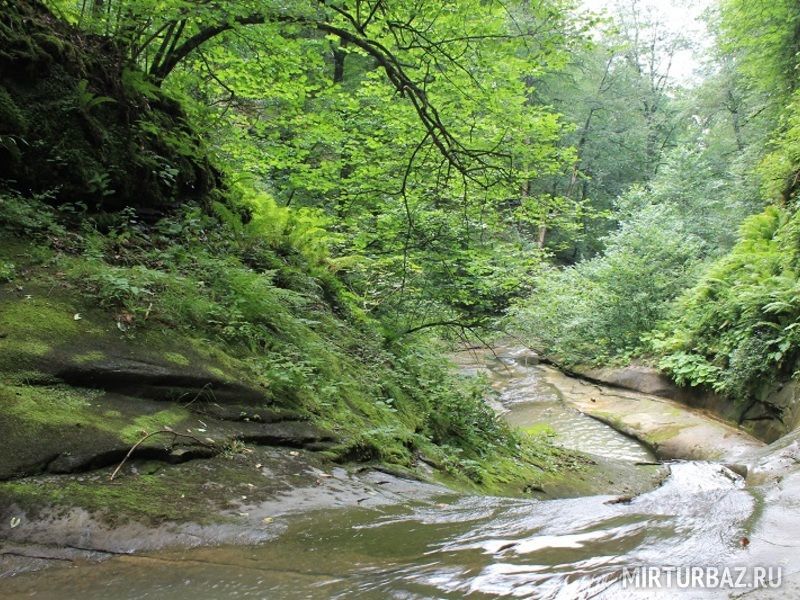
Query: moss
x=35 y=348
x=664 y=434
x=88 y=357
x=149 y=498
x=64 y=407
x=39 y=423
x=177 y=358
x=12 y=120
x=188 y=492
x=751 y=524
x=219 y=373
x=540 y=429
x=611 y=419
x=38 y=318
x=507 y=472
x=29 y=377
x=150 y=423
x=52 y=44
x=30 y=327
x=54 y=406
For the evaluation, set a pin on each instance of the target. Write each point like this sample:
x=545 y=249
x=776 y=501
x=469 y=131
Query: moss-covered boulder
x=78 y=124
x=76 y=394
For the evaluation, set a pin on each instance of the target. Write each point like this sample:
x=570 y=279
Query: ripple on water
x=482 y=546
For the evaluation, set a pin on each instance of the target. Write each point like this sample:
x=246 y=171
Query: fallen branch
x=207 y=386
x=147 y=436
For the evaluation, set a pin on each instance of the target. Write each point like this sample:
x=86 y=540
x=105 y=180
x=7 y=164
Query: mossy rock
x=63 y=429
x=77 y=393
x=76 y=151
x=50 y=333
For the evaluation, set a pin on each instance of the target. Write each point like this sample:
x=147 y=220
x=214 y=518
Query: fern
x=136 y=82
x=282 y=228
x=738 y=330
x=86 y=100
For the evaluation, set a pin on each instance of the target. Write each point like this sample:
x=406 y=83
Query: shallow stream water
x=529 y=402
x=458 y=546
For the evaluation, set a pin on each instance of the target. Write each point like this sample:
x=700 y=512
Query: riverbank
x=369 y=535
x=471 y=546
x=673 y=430
x=240 y=495
x=243 y=499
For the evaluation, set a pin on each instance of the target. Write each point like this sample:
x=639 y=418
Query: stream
x=527 y=401
x=459 y=545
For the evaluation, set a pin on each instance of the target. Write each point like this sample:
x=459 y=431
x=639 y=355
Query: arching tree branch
x=470 y=163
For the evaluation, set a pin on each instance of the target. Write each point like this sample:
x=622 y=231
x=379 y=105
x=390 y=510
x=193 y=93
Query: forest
x=282 y=219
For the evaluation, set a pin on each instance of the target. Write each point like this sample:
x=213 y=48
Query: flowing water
x=529 y=402
x=457 y=546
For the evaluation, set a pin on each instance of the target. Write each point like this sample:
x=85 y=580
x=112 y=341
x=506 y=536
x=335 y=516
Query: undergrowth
x=263 y=292
x=738 y=330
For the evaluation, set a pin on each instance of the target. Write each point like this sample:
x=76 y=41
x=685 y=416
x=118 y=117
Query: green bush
x=600 y=309
x=29 y=215
x=7 y=270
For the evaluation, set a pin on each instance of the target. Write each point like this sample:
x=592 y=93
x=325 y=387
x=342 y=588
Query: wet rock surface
x=235 y=499
x=635 y=377
x=108 y=425
x=443 y=547
x=157 y=381
x=774 y=413
x=671 y=429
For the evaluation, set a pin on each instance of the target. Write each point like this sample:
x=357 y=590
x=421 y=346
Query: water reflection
x=482 y=547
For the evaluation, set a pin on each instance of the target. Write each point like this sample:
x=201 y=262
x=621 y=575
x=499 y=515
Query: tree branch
x=445 y=142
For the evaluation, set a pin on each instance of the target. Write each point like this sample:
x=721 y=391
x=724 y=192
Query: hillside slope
x=150 y=312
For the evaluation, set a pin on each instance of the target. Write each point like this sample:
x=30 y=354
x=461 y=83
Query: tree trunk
x=339 y=56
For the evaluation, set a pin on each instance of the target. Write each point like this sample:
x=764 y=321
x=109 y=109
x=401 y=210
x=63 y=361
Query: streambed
x=454 y=545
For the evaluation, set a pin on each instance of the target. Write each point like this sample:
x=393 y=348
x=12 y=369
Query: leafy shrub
x=7 y=270
x=690 y=369
x=29 y=215
x=780 y=166
x=601 y=308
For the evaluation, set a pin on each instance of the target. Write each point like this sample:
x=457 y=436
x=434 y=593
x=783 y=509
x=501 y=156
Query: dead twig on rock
x=147 y=436
x=207 y=386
